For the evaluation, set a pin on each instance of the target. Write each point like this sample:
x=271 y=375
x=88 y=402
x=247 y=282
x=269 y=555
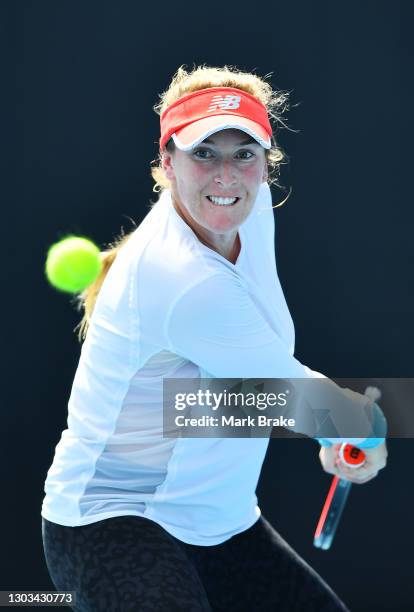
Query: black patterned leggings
x=130 y=563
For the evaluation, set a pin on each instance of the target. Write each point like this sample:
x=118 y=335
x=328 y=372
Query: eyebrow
x=249 y=140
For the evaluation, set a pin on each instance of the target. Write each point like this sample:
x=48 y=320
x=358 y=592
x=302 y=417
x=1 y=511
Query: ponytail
x=86 y=300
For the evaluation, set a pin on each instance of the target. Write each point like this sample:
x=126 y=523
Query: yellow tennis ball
x=72 y=264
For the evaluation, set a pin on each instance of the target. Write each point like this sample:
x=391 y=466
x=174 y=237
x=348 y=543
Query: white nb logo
x=225 y=103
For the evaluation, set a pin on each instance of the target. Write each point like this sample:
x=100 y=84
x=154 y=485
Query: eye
x=201 y=151
x=195 y=153
x=250 y=153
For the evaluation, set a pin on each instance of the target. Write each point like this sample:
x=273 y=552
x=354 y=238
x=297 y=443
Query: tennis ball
x=72 y=264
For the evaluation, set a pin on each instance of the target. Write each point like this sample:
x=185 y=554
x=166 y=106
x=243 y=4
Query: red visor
x=194 y=117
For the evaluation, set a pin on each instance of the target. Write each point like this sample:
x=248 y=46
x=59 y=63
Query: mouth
x=223 y=202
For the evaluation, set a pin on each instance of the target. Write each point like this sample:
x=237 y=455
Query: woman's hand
x=376 y=459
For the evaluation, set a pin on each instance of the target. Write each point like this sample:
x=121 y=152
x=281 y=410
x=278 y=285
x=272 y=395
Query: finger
x=370 y=467
x=354 y=473
x=357 y=476
x=364 y=480
x=327 y=461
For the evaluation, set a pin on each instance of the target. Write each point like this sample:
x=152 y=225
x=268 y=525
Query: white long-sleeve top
x=172 y=307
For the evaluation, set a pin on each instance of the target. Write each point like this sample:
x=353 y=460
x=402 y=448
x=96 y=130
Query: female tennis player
x=133 y=520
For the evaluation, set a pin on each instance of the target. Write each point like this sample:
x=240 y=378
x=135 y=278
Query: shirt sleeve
x=217 y=325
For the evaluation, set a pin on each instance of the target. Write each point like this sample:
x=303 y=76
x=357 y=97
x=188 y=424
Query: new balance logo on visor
x=224 y=103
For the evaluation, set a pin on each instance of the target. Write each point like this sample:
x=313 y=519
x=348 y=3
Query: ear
x=166 y=161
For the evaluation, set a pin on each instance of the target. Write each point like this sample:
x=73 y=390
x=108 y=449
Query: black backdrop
x=83 y=79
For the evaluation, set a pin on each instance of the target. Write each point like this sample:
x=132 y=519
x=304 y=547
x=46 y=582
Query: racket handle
x=352 y=456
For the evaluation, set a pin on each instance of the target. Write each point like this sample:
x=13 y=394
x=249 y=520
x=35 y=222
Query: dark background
x=83 y=79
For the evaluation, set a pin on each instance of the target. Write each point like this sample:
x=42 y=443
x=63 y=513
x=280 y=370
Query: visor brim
x=192 y=135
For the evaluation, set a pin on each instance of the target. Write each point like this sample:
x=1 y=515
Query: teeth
x=222 y=201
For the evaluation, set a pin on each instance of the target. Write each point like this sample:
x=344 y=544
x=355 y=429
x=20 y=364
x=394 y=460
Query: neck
x=219 y=244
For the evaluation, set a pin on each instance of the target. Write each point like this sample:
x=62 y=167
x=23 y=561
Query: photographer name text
x=232 y=421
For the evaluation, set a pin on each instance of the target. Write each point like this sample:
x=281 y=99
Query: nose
x=226 y=175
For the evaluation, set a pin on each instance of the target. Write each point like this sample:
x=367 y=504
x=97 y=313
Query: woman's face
x=222 y=165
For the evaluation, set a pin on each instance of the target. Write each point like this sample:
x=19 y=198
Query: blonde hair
x=182 y=83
